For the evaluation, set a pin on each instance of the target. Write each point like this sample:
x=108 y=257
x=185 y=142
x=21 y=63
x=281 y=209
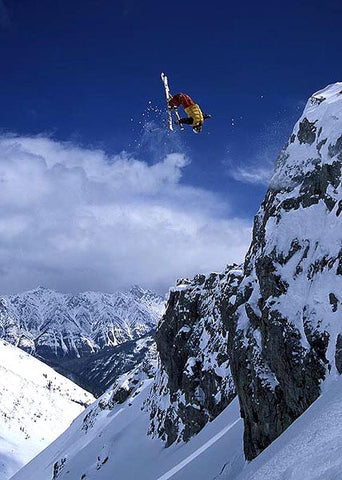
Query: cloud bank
x=76 y=219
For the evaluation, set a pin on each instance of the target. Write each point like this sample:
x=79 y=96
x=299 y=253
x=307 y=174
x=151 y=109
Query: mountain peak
x=137 y=291
x=39 y=290
x=316 y=139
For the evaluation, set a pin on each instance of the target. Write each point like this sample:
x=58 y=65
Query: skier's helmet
x=197 y=128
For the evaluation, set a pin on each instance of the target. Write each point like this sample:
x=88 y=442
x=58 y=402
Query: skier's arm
x=176 y=100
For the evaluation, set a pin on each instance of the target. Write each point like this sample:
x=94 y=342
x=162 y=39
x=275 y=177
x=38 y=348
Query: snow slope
x=111 y=442
x=36 y=406
x=115 y=443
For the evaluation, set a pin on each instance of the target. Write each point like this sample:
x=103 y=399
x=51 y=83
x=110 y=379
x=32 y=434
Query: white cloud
x=76 y=219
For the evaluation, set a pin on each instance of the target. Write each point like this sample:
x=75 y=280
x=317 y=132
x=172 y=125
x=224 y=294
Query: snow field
x=36 y=406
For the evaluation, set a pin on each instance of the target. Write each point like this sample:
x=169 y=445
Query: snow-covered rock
x=53 y=325
x=193 y=383
x=36 y=406
x=286 y=336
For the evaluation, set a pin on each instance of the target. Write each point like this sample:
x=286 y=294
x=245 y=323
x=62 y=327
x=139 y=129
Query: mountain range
x=53 y=325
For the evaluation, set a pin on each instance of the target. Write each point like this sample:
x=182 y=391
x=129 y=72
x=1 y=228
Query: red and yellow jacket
x=192 y=109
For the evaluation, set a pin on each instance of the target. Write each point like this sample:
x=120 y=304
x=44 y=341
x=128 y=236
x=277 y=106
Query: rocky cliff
x=273 y=331
x=194 y=382
x=285 y=337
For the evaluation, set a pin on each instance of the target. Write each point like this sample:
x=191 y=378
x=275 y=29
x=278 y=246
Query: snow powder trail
x=197 y=452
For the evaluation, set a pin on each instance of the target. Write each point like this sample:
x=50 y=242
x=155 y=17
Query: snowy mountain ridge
x=36 y=406
x=53 y=325
x=110 y=438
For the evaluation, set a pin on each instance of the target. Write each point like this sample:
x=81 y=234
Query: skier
x=195 y=115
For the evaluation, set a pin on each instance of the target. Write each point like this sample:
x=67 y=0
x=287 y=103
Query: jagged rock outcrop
x=53 y=326
x=285 y=335
x=193 y=384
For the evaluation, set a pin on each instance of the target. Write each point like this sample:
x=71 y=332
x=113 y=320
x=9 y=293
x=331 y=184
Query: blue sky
x=88 y=73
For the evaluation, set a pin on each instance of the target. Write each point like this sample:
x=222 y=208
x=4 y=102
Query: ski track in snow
x=197 y=452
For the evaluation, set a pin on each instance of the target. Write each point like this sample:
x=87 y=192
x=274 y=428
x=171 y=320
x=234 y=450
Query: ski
x=168 y=96
x=169 y=110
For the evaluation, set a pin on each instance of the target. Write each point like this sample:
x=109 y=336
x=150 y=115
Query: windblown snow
x=36 y=406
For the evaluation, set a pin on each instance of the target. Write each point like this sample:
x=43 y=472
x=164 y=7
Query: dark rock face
x=285 y=334
x=338 y=353
x=194 y=382
x=307 y=131
x=336 y=149
x=58 y=468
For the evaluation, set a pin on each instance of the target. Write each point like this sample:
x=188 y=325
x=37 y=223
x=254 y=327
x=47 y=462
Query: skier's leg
x=186 y=121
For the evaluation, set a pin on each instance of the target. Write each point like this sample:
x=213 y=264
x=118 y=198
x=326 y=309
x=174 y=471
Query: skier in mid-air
x=195 y=116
